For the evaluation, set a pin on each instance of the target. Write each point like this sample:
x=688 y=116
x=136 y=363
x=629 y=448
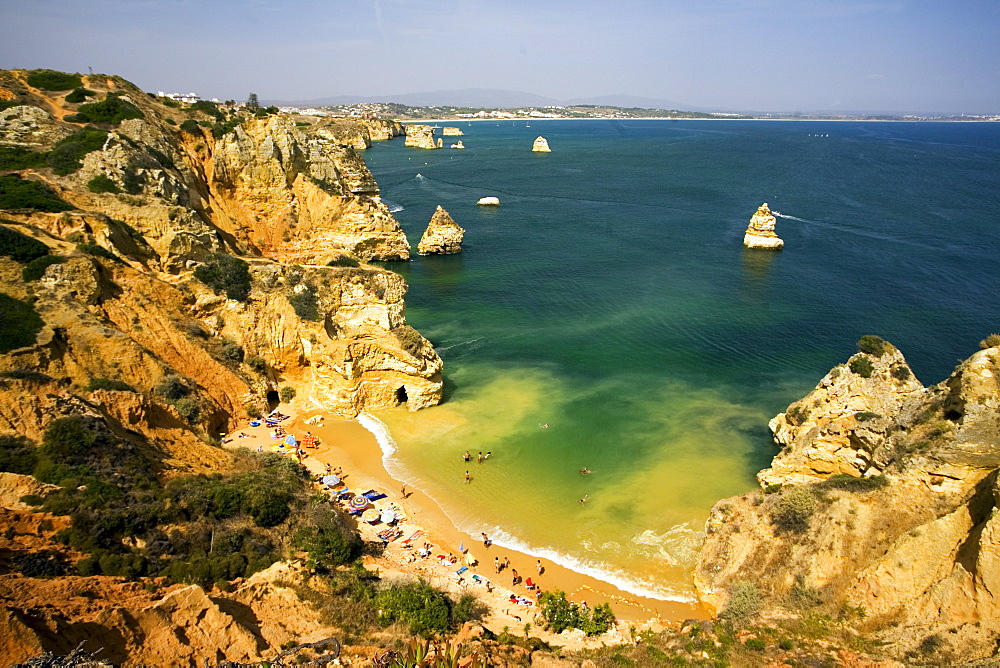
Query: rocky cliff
x=760 y=232
x=882 y=501
x=420 y=136
x=443 y=235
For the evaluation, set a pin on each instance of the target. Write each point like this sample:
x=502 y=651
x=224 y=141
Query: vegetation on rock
x=873 y=345
x=19 y=246
x=560 y=614
x=19 y=323
x=102 y=184
x=79 y=95
x=111 y=110
x=53 y=80
x=226 y=273
x=18 y=193
x=862 y=366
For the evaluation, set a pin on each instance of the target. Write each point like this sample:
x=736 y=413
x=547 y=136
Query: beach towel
x=416 y=534
x=461 y=570
x=372 y=495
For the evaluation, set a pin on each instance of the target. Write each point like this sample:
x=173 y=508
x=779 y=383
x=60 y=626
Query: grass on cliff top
x=64 y=158
x=53 y=80
x=18 y=193
x=19 y=323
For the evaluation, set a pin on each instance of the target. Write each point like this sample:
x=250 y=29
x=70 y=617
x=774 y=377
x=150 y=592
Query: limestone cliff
x=884 y=499
x=443 y=235
x=541 y=145
x=420 y=136
x=760 y=233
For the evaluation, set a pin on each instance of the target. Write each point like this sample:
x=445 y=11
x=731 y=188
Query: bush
x=36 y=268
x=19 y=246
x=19 y=324
x=17 y=455
x=851 y=484
x=15 y=157
x=231 y=352
x=305 y=303
x=558 y=614
x=210 y=108
x=79 y=95
x=873 y=345
x=991 y=341
x=102 y=184
x=424 y=608
x=328 y=543
x=745 y=601
x=172 y=388
x=18 y=193
x=286 y=394
x=257 y=363
x=65 y=157
x=7 y=104
x=188 y=408
x=467 y=609
x=190 y=126
x=108 y=384
x=792 y=509
x=53 y=80
x=343 y=261
x=268 y=507
x=222 y=129
x=41 y=564
x=409 y=338
x=755 y=644
x=862 y=366
x=225 y=273
x=901 y=373
x=112 y=110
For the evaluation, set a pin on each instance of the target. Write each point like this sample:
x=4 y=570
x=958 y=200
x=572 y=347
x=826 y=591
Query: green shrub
x=222 y=129
x=112 y=110
x=225 y=273
x=231 y=352
x=170 y=102
x=17 y=454
x=79 y=95
x=755 y=644
x=170 y=121
x=7 y=104
x=41 y=564
x=305 y=303
x=18 y=193
x=19 y=246
x=257 y=363
x=467 y=609
x=16 y=157
x=53 y=80
x=286 y=394
x=102 y=184
x=343 y=261
x=424 y=608
x=188 y=408
x=862 y=366
x=745 y=601
x=791 y=510
x=268 y=507
x=75 y=118
x=991 y=341
x=901 y=373
x=19 y=324
x=852 y=484
x=329 y=543
x=409 y=338
x=210 y=108
x=873 y=345
x=190 y=126
x=36 y=268
x=558 y=614
x=65 y=157
x=796 y=415
x=108 y=384
x=172 y=388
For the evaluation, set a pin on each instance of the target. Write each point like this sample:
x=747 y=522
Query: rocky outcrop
x=760 y=233
x=381 y=129
x=29 y=127
x=452 y=132
x=489 y=201
x=420 y=136
x=884 y=499
x=457 y=145
x=443 y=235
x=541 y=145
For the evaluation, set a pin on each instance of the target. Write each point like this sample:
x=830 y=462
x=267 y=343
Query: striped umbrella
x=359 y=502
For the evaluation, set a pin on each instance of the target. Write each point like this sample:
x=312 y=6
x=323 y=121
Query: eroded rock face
x=914 y=543
x=420 y=136
x=29 y=127
x=443 y=235
x=760 y=233
x=452 y=132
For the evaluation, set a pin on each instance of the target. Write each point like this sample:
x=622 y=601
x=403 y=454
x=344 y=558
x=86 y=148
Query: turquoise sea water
x=609 y=297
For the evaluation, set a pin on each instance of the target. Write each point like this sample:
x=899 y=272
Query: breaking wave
x=393 y=206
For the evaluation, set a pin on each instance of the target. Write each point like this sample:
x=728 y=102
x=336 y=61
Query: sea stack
x=541 y=145
x=489 y=201
x=453 y=132
x=760 y=232
x=443 y=235
x=457 y=144
x=420 y=136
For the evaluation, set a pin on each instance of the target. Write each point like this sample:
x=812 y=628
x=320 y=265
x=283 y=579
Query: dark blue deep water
x=610 y=297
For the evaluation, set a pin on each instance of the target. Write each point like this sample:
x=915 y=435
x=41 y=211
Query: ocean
x=606 y=316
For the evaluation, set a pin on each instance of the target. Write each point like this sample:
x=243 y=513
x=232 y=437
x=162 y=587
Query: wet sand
x=348 y=445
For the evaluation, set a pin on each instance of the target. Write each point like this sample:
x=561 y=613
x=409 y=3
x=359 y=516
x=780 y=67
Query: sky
x=910 y=56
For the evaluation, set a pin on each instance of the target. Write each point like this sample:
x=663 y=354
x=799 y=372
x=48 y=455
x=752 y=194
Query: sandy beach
x=347 y=445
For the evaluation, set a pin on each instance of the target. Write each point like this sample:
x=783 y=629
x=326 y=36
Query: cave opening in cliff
x=401 y=395
x=272 y=400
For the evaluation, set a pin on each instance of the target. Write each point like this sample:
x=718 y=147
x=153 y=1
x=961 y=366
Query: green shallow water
x=609 y=297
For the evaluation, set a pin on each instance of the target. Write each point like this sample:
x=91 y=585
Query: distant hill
x=483 y=97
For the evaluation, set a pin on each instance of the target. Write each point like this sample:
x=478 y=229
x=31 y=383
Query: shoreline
x=425 y=121
x=351 y=446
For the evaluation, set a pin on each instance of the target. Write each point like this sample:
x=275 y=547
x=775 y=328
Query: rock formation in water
x=760 y=233
x=420 y=136
x=452 y=132
x=443 y=235
x=882 y=500
x=489 y=201
x=541 y=145
x=458 y=145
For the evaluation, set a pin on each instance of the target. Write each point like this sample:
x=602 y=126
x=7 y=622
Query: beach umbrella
x=469 y=559
x=359 y=502
x=461 y=547
x=290 y=440
x=331 y=480
x=388 y=516
x=370 y=515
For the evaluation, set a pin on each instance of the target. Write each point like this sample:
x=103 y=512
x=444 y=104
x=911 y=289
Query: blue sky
x=769 y=55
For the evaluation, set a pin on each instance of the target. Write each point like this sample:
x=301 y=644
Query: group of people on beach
x=480 y=458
